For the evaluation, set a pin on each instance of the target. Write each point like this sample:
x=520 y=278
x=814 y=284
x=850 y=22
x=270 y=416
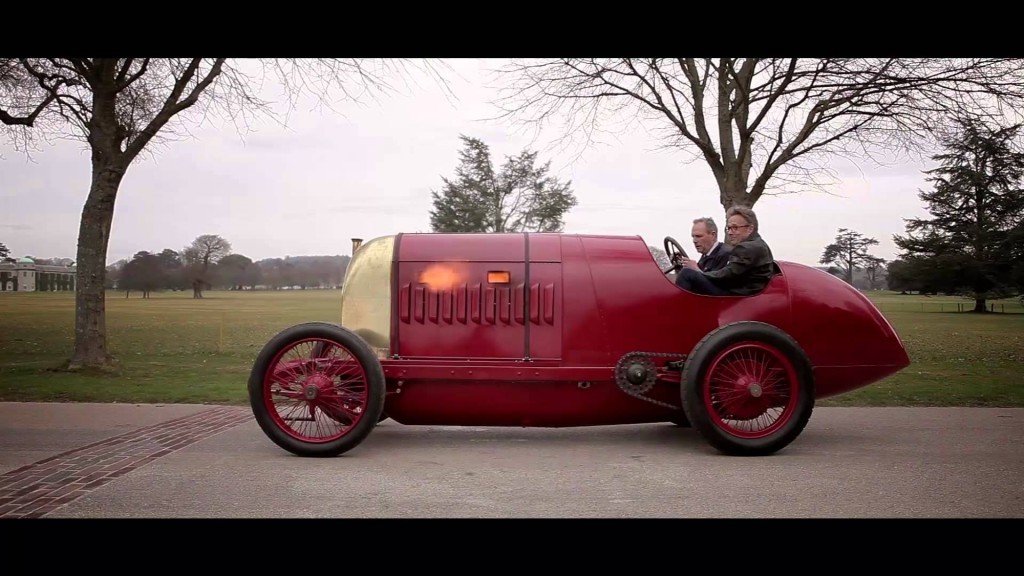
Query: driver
x=714 y=254
x=749 y=265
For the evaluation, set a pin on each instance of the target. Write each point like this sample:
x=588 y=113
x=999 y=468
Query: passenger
x=749 y=267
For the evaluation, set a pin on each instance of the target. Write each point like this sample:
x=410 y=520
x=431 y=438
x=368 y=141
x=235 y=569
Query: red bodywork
x=540 y=350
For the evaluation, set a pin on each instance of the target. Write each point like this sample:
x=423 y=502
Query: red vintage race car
x=564 y=330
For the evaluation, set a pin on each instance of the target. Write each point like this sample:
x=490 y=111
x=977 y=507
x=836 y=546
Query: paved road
x=194 y=461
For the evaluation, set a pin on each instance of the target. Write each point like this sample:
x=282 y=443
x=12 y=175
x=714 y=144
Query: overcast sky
x=308 y=188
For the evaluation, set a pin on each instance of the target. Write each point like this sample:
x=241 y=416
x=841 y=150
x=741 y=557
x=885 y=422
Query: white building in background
x=27 y=276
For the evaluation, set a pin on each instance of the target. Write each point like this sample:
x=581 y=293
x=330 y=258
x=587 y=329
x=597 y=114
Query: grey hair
x=709 y=223
x=744 y=212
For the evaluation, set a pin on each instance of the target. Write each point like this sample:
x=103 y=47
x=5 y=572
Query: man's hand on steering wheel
x=675 y=254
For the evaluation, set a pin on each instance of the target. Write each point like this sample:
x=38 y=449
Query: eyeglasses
x=734 y=227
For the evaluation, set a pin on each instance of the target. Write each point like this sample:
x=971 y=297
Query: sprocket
x=636 y=373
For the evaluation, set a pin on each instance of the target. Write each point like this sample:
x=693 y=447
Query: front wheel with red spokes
x=317 y=389
x=748 y=388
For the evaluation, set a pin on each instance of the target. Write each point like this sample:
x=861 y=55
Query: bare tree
x=204 y=250
x=118 y=106
x=766 y=126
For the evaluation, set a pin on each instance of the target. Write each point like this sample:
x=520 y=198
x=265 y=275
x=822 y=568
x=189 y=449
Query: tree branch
x=172 y=105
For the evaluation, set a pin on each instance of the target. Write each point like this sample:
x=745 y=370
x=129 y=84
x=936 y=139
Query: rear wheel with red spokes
x=317 y=389
x=748 y=389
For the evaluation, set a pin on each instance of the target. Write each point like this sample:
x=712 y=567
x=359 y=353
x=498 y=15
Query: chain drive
x=647 y=361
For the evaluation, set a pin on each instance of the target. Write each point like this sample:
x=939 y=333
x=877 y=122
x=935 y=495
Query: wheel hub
x=314 y=385
x=749 y=385
x=746 y=401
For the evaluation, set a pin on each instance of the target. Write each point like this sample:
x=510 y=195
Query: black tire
x=370 y=403
x=681 y=421
x=781 y=377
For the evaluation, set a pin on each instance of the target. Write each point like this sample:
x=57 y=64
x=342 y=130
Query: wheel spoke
x=343 y=369
x=763 y=368
x=292 y=408
x=751 y=363
x=293 y=394
x=338 y=409
x=323 y=350
x=731 y=371
x=733 y=395
x=291 y=370
x=289 y=385
x=340 y=396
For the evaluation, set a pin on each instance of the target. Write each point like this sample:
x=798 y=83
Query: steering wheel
x=674 y=251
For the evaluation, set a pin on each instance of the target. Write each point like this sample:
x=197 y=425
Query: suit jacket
x=718 y=257
x=749 y=269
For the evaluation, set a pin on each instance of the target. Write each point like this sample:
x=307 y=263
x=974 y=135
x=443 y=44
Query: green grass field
x=172 y=348
x=176 y=349
x=957 y=359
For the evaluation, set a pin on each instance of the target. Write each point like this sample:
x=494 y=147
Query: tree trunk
x=733 y=192
x=93 y=234
x=979 y=305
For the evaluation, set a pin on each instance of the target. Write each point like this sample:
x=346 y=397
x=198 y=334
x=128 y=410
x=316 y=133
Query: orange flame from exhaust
x=441 y=276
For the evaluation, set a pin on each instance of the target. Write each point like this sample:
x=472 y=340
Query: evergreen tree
x=848 y=252
x=976 y=206
x=521 y=197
